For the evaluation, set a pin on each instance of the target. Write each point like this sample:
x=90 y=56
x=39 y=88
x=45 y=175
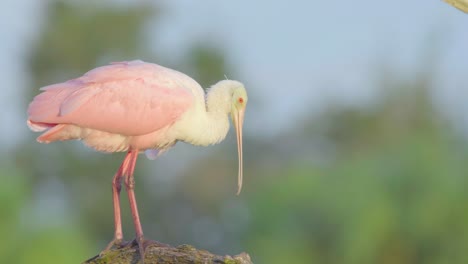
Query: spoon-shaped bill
x=238 y=120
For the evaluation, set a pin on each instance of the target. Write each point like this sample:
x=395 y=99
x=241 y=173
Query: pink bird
x=137 y=106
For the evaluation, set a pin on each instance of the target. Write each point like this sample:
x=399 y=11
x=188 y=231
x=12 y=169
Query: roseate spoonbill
x=137 y=106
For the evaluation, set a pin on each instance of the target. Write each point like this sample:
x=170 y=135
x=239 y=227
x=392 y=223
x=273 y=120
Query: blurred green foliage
x=391 y=198
x=375 y=184
x=26 y=241
x=206 y=64
x=77 y=36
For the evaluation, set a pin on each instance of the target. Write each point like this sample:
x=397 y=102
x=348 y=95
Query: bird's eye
x=240 y=100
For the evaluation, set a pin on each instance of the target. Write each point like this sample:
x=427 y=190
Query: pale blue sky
x=294 y=56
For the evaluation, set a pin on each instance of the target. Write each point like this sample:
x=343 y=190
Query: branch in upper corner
x=164 y=254
x=460 y=4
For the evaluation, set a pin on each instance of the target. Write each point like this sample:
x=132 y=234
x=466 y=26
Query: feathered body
x=132 y=105
x=136 y=106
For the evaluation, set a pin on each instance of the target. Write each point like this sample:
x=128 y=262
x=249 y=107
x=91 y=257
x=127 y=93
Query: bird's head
x=238 y=104
x=228 y=96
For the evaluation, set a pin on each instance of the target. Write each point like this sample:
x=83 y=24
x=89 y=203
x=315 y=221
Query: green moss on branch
x=163 y=254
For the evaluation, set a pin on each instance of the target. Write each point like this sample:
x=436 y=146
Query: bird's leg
x=116 y=187
x=130 y=186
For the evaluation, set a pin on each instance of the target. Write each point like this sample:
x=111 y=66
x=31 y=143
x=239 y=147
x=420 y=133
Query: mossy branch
x=164 y=254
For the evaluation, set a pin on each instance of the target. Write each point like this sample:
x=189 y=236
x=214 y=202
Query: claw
x=142 y=247
x=143 y=244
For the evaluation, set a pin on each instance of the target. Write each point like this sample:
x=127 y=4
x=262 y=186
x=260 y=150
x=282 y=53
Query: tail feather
x=59 y=132
x=51 y=134
x=38 y=127
x=45 y=107
x=44 y=112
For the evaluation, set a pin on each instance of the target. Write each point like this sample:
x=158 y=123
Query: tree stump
x=164 y=254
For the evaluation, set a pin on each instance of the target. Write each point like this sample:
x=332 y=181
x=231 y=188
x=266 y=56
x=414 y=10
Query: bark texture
x=164 y=254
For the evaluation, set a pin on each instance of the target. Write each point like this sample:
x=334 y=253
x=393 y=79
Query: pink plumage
x=132 y=99
x=135 y=106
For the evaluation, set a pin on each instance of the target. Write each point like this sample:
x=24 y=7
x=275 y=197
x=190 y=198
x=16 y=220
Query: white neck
x=213 y=128
x=210 y=124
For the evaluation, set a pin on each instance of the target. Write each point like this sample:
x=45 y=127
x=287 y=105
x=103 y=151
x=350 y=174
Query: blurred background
x=355 y=140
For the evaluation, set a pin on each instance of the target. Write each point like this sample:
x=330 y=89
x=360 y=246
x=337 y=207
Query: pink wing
x=128 y=98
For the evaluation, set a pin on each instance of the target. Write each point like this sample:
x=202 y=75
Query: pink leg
x=116 y=188
x=130 y=186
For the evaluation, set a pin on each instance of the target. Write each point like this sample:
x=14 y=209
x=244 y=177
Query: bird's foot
x=143 y=243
